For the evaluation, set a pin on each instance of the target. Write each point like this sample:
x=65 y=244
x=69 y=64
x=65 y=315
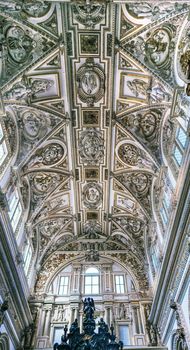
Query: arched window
x=92 y=281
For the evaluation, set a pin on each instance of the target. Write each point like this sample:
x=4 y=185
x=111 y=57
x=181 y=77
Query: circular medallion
x=20 y=45
x=129 y=154
x=34 y=126
x=157 y=47
x=52 y=154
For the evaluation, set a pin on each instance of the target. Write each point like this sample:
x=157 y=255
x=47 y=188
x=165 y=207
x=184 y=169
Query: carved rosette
x=91 y=146
x=91 y=79
x=92 y=195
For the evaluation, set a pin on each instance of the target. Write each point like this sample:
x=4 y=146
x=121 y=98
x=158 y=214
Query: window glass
x=63 y=285
x=163 y=215
x=3 y=152
x=177 y=155
x=91 y=281
x=15 y=209
x=181 y=137
x=3 y=147
x=27 y=257
x=91 y=285
x=166 y=200
x=132 y=286
x=119 y=283
x=92 y=270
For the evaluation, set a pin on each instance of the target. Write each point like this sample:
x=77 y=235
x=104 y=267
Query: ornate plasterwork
x=89 y=105
x=20 y=45
x=92 y=195
x=37 y=8
x=91 y=80
x=183 y=54
x=91 y=146
x=89 y=14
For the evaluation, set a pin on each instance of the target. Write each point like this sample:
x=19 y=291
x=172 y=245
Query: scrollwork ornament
x=91 y=79
x=34 y=124
x=37 y=8
x=49 y=155
x=133 y=156
x=92 y=229
x=89 y=14
x=183 y=55
x=91 y=146
x=156 y=49
x=139 y=184
x=129 y=154
x=45 y=182
x=133 y=225
x=20 y=46
x=92 y=195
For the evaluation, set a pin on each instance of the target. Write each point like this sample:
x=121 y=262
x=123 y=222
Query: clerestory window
x=63 y=285
x=119 y=284
x=15 y=209
x=27 y=257
x=91 y=281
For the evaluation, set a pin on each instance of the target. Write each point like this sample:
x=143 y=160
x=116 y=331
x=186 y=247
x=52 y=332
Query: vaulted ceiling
x=87 y=87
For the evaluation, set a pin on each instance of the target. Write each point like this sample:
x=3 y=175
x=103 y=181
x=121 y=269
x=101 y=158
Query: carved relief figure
x=138 y=87
x=154 y=11
x=90 y=82
x=23 y=89
x=59 y=314
x=92 y=195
